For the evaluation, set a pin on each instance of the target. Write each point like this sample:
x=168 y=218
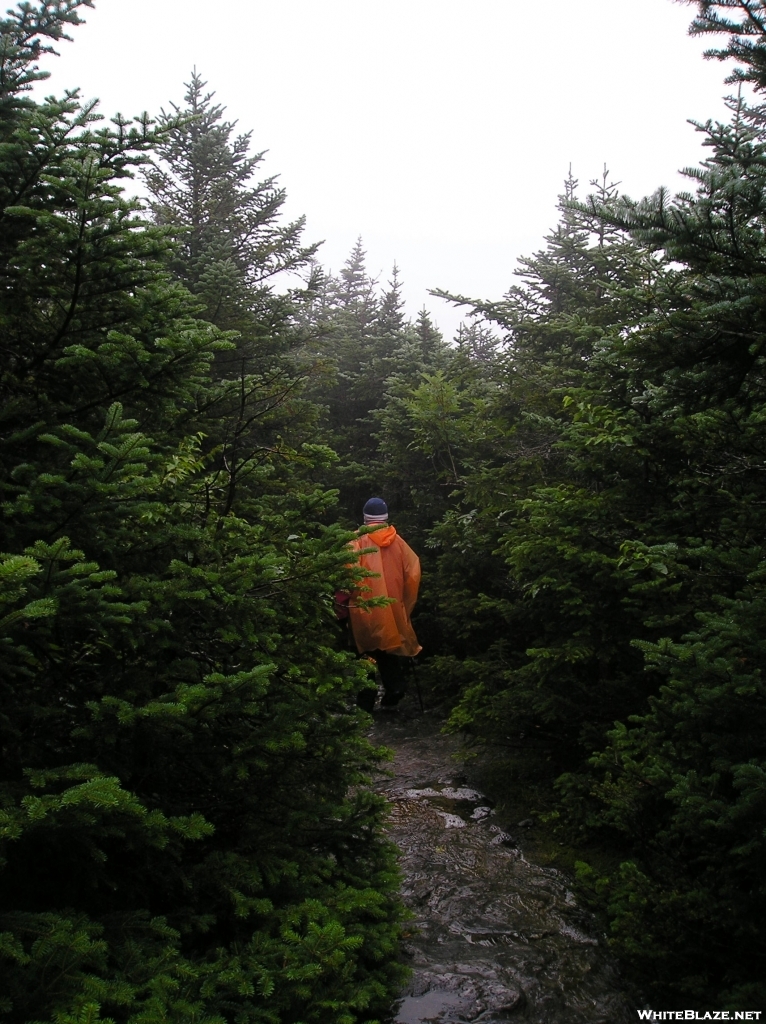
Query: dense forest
x=186 y=834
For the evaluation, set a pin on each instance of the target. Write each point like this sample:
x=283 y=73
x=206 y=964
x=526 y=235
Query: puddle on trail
x=494 y=937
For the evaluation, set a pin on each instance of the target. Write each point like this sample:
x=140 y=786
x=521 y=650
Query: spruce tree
x=521 y=666
x=231 y=247
x=183 y=830
x=391 y=316
x=678 y=780
x=605 y=579
x=232 y=242
x=360 y=354
x=355 y=296
x=429 y=338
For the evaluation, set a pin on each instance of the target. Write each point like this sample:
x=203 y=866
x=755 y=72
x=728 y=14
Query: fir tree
x=232 y=242
x=429 y=338
x=355 y=296
x=746 y=35
x=476 y=341
x=692 y=369
x=391 y=316
x=230 y=246
x=361 y=356
x=605 y=564
x=184 y=833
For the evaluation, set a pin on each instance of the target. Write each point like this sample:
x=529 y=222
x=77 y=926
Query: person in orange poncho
x=385 y=632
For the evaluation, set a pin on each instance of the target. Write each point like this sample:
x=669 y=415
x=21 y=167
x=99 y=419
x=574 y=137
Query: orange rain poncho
x=397 y=574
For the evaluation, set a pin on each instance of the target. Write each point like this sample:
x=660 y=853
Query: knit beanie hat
x=375 y=511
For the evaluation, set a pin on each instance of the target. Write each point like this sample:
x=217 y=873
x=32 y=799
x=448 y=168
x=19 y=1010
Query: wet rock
x=527 y=823
x=480 y=813
x=451 y=820
x=457 y=997
x=494 y=937
x=501 y=838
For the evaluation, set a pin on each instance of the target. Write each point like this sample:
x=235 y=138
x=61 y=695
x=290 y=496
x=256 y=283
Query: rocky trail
x=494 y=936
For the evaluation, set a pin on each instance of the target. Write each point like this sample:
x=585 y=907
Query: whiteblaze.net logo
x=699 y=1014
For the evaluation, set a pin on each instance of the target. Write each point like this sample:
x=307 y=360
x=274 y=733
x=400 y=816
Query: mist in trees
x=598 y=579
x=185 y=831
x=194 y=410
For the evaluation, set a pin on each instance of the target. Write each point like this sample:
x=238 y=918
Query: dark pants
x=393 y=670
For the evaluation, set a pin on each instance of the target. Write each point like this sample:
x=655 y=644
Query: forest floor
x=494 y=935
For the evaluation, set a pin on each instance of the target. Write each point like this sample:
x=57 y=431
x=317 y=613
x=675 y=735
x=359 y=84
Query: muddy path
x=494 y=936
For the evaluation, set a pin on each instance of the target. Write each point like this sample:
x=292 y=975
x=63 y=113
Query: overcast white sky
x=438 y=130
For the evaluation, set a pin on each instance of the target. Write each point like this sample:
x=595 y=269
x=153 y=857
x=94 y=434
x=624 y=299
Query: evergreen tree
x=183 y=830
x=232 y=242
x=678 y=779
x=359 y=335
x=391 y=316
x=516 y=476
x=745 y=42
x=477 y=341
x=355 y=296
x=378 y=357
x=230 y=246
x=609 y=569
x=429 y=338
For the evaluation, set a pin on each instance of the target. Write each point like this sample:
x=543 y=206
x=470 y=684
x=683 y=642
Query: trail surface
x=495 y=937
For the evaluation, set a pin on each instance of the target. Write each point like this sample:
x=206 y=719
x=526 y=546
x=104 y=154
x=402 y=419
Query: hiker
x=385 y=633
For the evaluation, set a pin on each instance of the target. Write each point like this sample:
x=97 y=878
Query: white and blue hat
x=375 y=511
